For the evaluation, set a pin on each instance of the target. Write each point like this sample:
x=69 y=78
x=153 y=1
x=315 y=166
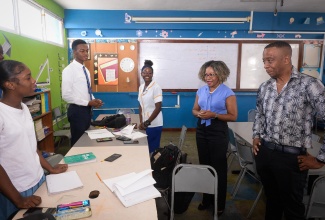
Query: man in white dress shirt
x=76 y=90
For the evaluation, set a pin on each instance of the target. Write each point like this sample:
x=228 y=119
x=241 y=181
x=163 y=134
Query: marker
x=99 y=177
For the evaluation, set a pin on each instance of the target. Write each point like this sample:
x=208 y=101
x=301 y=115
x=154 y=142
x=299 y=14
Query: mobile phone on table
x=104 y=139
x=131 y=142
x=123 y=138
x=37 y=210
x=112 y=157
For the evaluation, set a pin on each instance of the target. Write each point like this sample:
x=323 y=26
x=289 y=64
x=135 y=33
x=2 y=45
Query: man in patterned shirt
x=285 y=108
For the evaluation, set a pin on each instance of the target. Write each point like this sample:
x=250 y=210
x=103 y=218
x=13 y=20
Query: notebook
x=80 y=159
x=62 y=182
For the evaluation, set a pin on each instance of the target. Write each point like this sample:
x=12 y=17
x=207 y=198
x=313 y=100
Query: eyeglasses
x=210 y=75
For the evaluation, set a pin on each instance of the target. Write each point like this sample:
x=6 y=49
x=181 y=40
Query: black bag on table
x=112 y=121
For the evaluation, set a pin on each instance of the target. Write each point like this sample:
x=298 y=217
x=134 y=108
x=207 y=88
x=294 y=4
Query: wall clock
x=127 y=64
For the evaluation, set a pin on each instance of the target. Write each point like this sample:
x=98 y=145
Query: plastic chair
x=251 y=115
x=194 y=178
x=315 y=207
x=247 y=163
x=61 y=132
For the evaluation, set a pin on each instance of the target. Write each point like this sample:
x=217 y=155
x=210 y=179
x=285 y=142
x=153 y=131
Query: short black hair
x=280 y=44
x=76 y=43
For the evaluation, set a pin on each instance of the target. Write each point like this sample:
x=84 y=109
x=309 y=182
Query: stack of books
x=39 y=129
x=133 y=188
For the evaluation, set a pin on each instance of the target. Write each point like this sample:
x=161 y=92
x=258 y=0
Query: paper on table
x=136 y=135
x=57 y=183
x=99 y=133
x=142 y=195
x=133 y=188
x=125 y=131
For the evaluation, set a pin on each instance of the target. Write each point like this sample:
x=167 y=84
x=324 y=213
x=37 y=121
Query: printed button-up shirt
x=287 y=117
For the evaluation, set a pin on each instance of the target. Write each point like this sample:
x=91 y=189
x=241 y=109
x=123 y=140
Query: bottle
x=128 y=118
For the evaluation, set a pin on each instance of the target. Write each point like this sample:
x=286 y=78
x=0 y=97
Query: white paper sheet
x=99 y=133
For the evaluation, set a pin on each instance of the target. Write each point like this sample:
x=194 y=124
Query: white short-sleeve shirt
x=147 y=100
x=18 y=146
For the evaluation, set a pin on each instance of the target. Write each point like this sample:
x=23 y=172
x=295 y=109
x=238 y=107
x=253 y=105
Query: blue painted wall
x=114 y=25
x=173 y=117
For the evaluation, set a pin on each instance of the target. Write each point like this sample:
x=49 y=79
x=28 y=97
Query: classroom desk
x=244 y=131
x=85 y=141
x=106 y=205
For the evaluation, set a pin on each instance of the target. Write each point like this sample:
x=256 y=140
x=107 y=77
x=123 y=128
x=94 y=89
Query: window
x=53 y=29
x=32 y=20
x=7 y=21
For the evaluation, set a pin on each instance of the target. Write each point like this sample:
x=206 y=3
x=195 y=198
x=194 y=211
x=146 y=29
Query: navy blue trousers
x=79 y=118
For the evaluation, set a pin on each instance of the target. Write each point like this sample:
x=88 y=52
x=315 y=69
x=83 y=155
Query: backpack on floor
x=163 y=161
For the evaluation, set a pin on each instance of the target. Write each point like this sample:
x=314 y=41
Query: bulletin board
x=176 y=64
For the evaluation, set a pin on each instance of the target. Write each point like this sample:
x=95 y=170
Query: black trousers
x=79 y=118
x=283 y=184
x=212 y=144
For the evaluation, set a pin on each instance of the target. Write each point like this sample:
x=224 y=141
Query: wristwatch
x=216 y=117
x=147 y=123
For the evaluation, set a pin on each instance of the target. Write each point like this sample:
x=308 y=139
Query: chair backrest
x=194 y=178
x=245 y=154
x=316 y=204
x=251 y=115
x=232 y=140
x=57 y=113
x=315 y=137
x=182 y=137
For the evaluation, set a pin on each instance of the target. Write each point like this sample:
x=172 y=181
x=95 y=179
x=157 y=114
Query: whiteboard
x=253 y=73
x=176 y=65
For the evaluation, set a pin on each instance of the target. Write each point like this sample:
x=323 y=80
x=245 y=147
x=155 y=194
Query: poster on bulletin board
x=106 y=69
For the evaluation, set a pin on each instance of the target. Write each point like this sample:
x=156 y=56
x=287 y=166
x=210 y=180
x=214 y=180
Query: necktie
x=88 y=83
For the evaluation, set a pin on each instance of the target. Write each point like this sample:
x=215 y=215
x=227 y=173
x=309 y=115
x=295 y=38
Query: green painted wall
x=33 y=53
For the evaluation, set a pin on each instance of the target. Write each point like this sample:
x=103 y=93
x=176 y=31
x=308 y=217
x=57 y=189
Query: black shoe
x=220 y=212
x=203 y=206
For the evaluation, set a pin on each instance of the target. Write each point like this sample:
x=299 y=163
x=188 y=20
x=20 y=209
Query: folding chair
x=248 y=166
x=182 y=137
x=315 y=208
x=194 y=178
x=232 y=147
x=251 y=115
x=61 y=132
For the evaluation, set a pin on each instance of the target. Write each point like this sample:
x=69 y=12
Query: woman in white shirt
x=150 y=99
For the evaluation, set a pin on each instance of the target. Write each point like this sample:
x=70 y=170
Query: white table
x=244 y=131
x=85 y=141
x=107 y=205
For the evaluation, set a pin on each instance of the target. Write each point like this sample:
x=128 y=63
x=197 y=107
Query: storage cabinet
x=40 y=106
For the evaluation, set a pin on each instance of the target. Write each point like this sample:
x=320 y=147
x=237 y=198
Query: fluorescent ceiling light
x=188 y=20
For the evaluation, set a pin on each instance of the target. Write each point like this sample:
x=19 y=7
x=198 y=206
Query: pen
x=99 y=177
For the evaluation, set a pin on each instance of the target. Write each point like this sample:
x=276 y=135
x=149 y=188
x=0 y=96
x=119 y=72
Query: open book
x=62 y=182
x=133 y=188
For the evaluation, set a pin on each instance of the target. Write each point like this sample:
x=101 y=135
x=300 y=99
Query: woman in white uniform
x=150 y=99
